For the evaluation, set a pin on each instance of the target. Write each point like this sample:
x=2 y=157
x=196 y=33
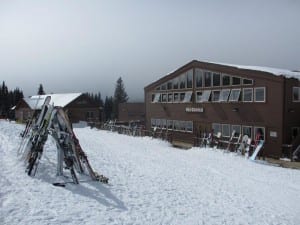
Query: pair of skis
x=53 y=120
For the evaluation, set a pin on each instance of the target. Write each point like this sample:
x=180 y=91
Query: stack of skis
x=70 y=156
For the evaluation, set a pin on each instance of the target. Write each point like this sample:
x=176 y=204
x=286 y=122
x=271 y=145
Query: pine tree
x=108 y=108
x=120 y=96
x=41 y=90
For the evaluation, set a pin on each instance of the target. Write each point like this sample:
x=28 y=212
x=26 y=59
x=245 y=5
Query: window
x=156 y=98
x=296 y=94
x=175 y=83
x=158 y=88
x=237 y=129
x=205 y=96
x=247 y=130
x=182 y=81
x=236 y=81
x=199 y=78
x=189 y=81
x=216 y=79
x=176 y=97
x=157 y=123
x=248 y=94
x=295 y=132
x=224 y=95
x=169 y=85
x=247 y=82
x=182 y=96
x=260 y=94
x=89 y=115
x=189 y=126
x=215 y=96
x=163 y=97
x=235 y=95
x=259 y=132
x=188 y=96
x=153 y=122
x=163 y=124
x=176 y=125
x=217 y=128
x=207 y=79
x=225 y=130
x=198 y=96
x=182 y=125
x=170 y=124
x=170 y=97
x=225 y=80
x=164 y=87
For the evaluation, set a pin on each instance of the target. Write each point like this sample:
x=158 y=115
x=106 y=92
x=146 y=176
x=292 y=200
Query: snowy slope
x=150 y=183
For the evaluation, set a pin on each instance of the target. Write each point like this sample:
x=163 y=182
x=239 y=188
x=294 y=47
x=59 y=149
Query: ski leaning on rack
x=70 y=156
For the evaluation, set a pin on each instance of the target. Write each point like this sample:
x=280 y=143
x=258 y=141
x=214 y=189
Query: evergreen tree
x=120 y=96
x=108 y=108
x=41 y=90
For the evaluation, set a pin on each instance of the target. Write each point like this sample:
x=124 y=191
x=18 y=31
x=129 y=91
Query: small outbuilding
x=78 y=106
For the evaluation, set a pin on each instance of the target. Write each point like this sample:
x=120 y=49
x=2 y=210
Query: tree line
x=9 y=99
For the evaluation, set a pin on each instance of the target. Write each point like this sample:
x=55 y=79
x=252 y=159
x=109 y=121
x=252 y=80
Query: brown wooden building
x=132 y=112
x=203 y=96
x=78 y=106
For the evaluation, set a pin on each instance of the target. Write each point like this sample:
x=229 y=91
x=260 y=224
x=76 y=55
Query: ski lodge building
x=77 y=105
x=201 y=97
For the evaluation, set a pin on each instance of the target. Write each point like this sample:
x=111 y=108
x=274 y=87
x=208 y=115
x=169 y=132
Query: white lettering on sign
x=191 y=109
x=273 y=134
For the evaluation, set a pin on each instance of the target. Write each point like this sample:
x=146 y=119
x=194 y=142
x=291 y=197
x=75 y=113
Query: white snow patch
x=150 y=183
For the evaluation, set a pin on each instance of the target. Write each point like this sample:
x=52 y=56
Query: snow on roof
x=278 y=72
x=36 y=101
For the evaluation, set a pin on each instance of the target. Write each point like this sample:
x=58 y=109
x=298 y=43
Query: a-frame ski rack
x=54 y=121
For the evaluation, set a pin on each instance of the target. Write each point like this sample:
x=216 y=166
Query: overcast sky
x=84 y=46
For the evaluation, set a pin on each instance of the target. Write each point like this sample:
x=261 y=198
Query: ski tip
x=59 y=184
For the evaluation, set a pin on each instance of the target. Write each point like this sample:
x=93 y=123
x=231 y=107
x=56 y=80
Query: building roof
x=36 y=101
x=275 y=71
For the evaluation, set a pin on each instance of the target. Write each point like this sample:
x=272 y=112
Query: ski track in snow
x=150 y=183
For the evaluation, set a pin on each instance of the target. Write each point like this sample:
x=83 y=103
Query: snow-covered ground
x=150 y=183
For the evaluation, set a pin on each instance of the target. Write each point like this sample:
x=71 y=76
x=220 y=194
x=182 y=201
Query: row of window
x=176 y=125
x=296 y=94
x=225 y=95
x=227 y=130
x=203 y=78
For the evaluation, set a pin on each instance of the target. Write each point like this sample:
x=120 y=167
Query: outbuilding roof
x=36 y=101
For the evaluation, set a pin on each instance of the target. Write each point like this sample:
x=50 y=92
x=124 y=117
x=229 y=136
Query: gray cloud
x=78 y=46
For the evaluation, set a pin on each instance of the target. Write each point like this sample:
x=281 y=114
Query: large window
x=170 y=85
x=189 y=81
x=199 y=78
x=176 y=97
x=247 y=130
x=189 y=126
x=175 y=83
x=170 y=97
x=182 y=81
x=225 y=80
x=204 y=97
x=247 y=82
x=207 y=79
x=237 y=129
x=188 y=96
x=164 y=87
x=248 y=94
x=164 y=124
x=236 y=81
x=260 y=94
x=235 y=95
x=225 y=130
x=215 y=96
x=216 y=128
x=156 y=98
x=163 y=97
x=216 y=79
x=181 y=96
x=170 y=124
x=224 y=95
x=296 y=94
